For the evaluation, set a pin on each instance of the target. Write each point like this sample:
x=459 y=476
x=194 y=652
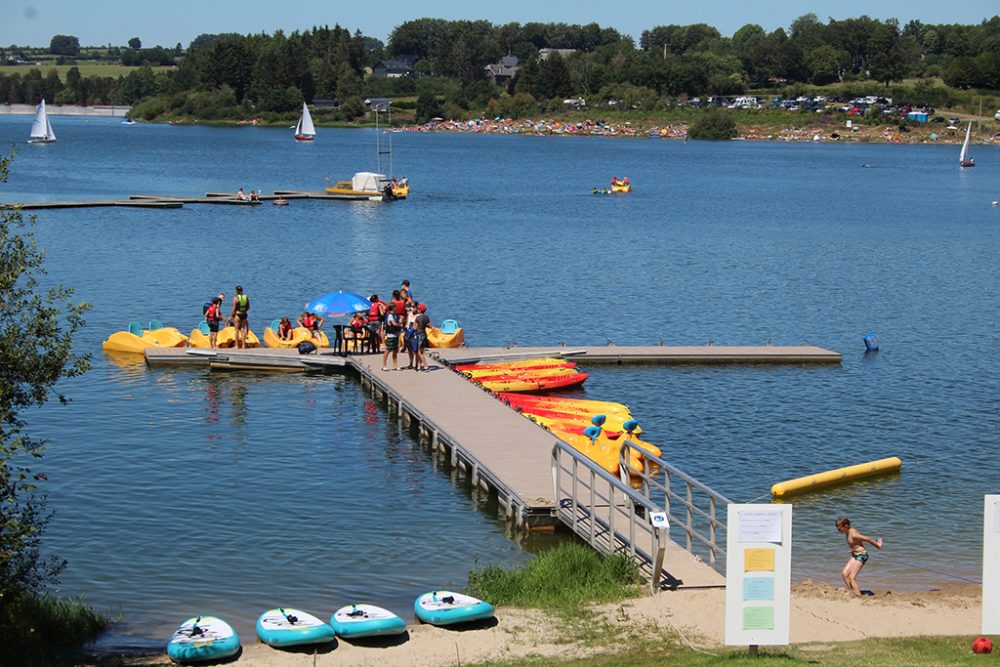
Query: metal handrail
x=652 y=487
x=593 y=502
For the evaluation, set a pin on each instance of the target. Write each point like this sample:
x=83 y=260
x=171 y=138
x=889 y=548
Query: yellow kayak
x=225 y=338
x=604 y=451
x=530 y=384
x=587 y=406
x=613 y=424
x=299 y=335
x=500 y=373
x=437 y=338
x=547 y=361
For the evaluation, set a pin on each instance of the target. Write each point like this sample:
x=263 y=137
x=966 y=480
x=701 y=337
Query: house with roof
x=396 y=68
x=503 y=72
x=543 y=54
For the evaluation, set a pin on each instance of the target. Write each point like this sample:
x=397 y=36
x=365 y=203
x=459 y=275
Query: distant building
x=503 y=72
x=543 y=54
x=394 y=69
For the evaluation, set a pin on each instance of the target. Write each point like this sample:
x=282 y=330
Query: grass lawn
x=665 y=650
x=86 y=69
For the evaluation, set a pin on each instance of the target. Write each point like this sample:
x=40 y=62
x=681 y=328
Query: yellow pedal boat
x=225 y=338
x=449 y=335
x=299 y=335
x=135 y=340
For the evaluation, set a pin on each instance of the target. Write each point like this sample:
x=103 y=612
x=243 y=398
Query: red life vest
x=374 y=314
x=309 y=321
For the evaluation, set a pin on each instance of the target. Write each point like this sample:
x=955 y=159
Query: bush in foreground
x=567 y=577
x=42 y=630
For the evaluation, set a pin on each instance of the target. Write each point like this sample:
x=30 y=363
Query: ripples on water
x=179 y=491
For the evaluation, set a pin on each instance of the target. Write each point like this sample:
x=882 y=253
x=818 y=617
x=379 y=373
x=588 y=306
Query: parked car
x=937 y=119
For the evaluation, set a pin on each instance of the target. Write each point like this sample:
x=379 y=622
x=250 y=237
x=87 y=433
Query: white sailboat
x=964 y=158
x=304 y=129
x=41 y=129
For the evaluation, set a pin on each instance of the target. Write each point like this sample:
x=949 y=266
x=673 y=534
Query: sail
x=41 y=128
x=964 y=157
x=305 y=125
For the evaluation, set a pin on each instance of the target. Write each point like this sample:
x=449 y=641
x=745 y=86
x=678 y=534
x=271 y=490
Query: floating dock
x=496 y=449
x=167 y=201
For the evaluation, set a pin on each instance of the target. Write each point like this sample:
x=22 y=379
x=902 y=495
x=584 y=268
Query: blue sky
x=167 y=22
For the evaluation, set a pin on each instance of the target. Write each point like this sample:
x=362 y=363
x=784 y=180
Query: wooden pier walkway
x=495 y=448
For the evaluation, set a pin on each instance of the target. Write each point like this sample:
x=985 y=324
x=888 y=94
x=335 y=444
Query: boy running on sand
x=859 y=555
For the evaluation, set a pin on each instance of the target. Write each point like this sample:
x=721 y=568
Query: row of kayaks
x=596 y=429
x=136 y=338
x=538 y=375
x=209 y=638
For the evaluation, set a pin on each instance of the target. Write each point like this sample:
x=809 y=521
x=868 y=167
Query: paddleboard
x=365 y=620
x=203 y=638
x=285 y=626
x=446 y=608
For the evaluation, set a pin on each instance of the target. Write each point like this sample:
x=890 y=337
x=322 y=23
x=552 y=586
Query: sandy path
x=820 y=613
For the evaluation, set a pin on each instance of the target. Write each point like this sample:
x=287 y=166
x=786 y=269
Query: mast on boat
x=382 y=105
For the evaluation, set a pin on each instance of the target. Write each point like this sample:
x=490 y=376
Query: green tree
x=36 y=351
x=714 y=124
x=65 y=45
x=135 y=43
x=428 y=107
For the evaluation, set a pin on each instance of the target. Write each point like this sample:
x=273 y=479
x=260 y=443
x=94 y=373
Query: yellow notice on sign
x=758 y=560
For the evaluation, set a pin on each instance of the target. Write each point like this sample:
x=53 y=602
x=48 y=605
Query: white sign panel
x=659 y=520
x=758 y=574
x=759 y=525
x=991 y=565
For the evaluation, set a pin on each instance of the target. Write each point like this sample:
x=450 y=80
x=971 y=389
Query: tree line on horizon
x=231 y=76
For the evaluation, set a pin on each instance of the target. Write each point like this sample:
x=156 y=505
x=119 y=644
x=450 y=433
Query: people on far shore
x=859 y=555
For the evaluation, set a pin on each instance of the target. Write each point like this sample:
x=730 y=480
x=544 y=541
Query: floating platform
x=255 y=358
x=167 y=201
x=653 y=354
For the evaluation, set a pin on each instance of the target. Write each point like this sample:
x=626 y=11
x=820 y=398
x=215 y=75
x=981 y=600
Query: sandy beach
x=825 y=129
x=820 y=613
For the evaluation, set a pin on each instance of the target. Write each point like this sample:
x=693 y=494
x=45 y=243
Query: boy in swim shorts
x=859 y=555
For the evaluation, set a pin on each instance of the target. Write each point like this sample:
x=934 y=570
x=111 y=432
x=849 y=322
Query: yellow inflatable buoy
x=838 y=476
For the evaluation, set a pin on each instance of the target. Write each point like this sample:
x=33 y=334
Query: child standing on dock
x=859 y=555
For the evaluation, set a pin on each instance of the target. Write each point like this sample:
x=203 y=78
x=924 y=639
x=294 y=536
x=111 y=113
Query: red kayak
x=512 y=369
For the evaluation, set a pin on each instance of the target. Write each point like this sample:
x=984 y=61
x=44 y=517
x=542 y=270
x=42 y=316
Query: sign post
x=758 y=575
x=991 y=565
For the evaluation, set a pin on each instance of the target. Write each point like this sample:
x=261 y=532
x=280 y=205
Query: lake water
x=179 y=492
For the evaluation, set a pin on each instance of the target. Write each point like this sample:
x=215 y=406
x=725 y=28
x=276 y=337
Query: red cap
x=422 y=308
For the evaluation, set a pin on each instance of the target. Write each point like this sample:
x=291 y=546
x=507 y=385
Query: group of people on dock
x=389 y=326
x=402 y=322
x=238 y=317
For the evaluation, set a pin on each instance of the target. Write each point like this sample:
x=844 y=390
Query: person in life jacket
x=376 y=313
x=310 y=321
x=213 y=316
x=285 y=329
x=240 y=318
